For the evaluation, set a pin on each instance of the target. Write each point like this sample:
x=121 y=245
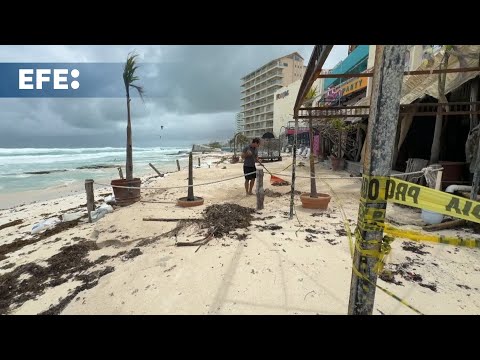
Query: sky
x=196 y=95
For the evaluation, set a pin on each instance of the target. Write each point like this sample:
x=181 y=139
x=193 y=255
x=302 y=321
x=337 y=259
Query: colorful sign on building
x=354 y=85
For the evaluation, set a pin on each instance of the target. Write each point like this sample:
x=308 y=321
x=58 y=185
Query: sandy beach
x=122 y=264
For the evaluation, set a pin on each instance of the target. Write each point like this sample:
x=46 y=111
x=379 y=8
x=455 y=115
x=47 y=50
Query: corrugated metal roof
x=417 y=86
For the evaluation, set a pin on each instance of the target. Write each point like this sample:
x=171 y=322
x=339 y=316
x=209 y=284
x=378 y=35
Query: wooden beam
x=319 y=55
x=406 y=73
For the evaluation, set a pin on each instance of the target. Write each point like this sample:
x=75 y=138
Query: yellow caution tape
x=420 y=236
x=378 y=189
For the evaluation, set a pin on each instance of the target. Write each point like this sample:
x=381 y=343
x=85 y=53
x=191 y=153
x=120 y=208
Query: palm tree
x=311 y=95
x=129 y=78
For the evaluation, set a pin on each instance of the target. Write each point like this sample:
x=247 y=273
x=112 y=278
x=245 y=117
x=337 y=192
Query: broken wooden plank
x=155 y=169
x=445 y=225
x=202 y=241
x=207 y=239
x=193 y=243
x=163 y=219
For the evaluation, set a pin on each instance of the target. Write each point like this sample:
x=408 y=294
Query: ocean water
x=19 y=167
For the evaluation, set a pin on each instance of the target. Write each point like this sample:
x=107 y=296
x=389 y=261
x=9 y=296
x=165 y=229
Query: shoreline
x=9 y=200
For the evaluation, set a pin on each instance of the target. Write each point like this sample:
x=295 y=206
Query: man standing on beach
x=249 y=156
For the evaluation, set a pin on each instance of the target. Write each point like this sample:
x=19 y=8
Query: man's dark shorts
x=249 y=169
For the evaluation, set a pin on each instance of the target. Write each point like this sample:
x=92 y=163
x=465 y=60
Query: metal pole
x=380 y=141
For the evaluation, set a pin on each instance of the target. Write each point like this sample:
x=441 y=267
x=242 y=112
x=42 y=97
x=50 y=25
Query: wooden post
x=473 y=123
x=476 y=175
x=294 y=159
x=199 y=162
x=313 y=183
x=438 y=183
x=120 y=173
x=474 y=98
x=260 y=191
x=178 y=165
x=380 y=142
x=158 y=172
x=190 y=178
x=90 y=197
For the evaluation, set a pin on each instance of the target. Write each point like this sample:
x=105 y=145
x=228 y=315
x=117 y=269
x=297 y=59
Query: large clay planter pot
x=184 y=202
x=337 y=163
x=124 y=196
x=321 y=202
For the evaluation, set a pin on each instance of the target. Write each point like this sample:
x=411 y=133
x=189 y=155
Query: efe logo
x=30 y=79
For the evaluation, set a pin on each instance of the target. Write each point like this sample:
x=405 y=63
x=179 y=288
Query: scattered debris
x=389 y=276
x=332 y=241
x=266 y=218
x=432 y=287
x=313 y=291
x=404 y=271
x=415 y=248
x=227 y=217
x=170 y=268
x=131 y=254
x=271 y=193
x=313 y=231
x=464 y=287
x=62 y=267
x=240 y=237
x=268 y=227
x=310 y=238
x=11 y=223
x=341 y=232
x=199 y=242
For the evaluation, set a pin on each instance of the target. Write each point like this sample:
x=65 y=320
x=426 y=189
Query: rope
x=428 y=171
x=174 y=187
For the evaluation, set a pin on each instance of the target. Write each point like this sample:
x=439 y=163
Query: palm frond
x=129 y=76
x=140 y=90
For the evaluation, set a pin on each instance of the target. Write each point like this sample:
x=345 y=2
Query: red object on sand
x=275 y=180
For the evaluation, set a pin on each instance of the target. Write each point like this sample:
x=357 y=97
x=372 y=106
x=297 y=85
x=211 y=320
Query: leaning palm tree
x=129 y=78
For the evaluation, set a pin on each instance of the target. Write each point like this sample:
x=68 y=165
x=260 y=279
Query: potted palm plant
x=336 y=157
x=124 y=196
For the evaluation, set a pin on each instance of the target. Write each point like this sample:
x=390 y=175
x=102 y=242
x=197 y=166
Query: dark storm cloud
x=193 y=91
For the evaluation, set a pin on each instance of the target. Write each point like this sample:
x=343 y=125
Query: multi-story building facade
x=284 y=102
x=259 y=88
x=239 y=123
